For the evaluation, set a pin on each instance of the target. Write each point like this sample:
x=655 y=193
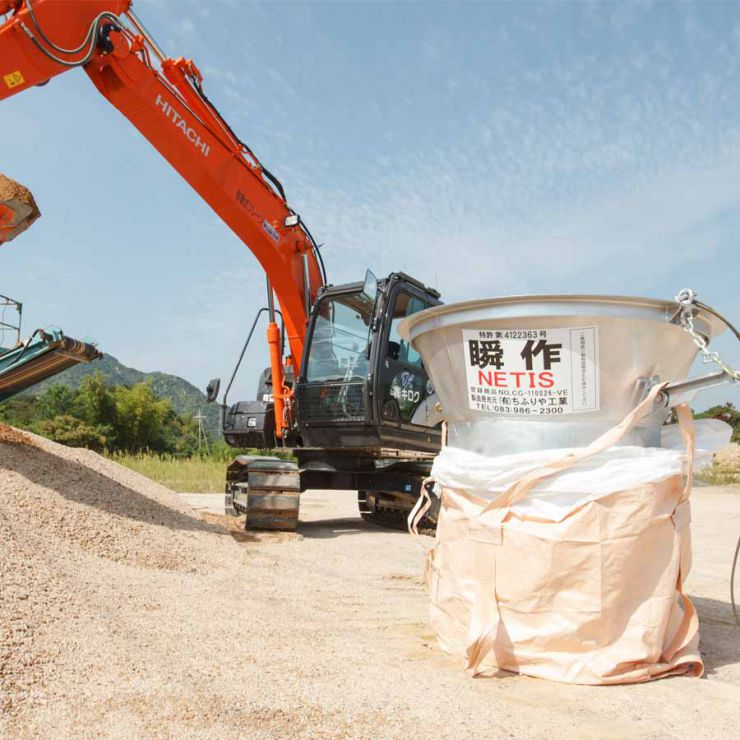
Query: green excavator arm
x=43 y=354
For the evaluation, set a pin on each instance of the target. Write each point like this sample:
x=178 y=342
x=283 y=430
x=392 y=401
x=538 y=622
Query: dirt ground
x=127 y=613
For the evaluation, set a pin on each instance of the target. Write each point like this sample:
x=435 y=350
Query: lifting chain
x=688 y=308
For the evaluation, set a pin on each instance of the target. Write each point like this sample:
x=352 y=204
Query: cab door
x=403 y=390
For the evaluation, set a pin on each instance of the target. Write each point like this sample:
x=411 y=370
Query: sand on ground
x=127 y=613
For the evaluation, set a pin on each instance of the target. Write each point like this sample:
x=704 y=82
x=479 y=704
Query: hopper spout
x=18 y=209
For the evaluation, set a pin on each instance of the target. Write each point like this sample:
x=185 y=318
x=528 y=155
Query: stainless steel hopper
x=522 y=373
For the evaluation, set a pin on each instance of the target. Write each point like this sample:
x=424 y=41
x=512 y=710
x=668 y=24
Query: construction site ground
x=127 y=612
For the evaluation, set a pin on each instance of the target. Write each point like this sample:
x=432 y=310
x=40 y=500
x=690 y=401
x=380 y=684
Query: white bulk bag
x=566 y=564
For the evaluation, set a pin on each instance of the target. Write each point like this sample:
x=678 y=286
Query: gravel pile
x=125 y=614
x=67 y=518
x=81 y=501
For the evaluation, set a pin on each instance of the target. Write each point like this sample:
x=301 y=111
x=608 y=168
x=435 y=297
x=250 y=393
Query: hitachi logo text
x=189 y=133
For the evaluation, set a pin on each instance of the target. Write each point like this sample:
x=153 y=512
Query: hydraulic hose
x=93 y=31
x=60 y=49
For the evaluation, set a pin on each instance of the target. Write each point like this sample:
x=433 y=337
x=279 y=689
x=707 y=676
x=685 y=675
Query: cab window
x=398 y=349
x=339 y=346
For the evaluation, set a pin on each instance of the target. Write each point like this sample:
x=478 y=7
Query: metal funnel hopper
x=524 y=373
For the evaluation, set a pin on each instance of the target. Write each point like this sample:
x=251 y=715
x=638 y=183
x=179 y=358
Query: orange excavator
x=347 y=396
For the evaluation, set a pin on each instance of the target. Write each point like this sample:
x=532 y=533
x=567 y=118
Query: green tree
x=57 y=400
x=73 y=432
x=182 y=436
x=140 y=418
x=96 y=403
x=113 y=418
x=18 y=411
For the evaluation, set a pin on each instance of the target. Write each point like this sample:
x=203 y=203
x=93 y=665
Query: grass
x=719 y=475
x=204 y=475
x=725 y=469
x=192 y=475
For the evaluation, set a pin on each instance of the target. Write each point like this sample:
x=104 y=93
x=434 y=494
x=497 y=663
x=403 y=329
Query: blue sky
x=486 y=149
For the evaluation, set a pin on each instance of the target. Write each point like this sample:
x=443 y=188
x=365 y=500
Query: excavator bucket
x=18 y=209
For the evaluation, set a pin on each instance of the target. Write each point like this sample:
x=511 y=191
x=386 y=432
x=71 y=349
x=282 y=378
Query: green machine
x=44 y=354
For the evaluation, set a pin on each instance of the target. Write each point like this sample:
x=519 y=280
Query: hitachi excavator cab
x=360 y=384
x=366 y=418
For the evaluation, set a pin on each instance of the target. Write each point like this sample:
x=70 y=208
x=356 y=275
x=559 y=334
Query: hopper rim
x=467 y=312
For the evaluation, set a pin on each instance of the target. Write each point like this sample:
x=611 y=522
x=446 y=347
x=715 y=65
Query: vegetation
x=203 y=472
x=185 y=398
x=197 y=474
x=130 y=424
x=725 y=468
x=140 y=429
x=119 y=418
x=720 y=474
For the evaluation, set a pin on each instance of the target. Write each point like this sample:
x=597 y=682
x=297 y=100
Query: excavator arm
x=164 y=99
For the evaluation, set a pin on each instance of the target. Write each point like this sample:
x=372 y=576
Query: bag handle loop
x=518 y=490
x=421 y=507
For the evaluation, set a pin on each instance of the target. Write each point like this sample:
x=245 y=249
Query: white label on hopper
x=532 y=372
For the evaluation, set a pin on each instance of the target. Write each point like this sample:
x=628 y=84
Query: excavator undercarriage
x=365 y=412
x=267 y=489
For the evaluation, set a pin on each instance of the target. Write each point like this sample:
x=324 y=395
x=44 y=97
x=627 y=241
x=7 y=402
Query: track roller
x=270 y=495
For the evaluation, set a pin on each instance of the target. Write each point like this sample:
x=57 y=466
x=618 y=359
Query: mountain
x=186 y=399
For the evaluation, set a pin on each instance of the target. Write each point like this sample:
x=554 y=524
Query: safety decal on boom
x=14 y=79
x=532 y=372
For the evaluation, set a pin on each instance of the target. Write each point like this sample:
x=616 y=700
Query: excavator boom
x=164 y=99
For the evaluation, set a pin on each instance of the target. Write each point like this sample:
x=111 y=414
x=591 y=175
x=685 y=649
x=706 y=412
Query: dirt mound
x=11 y=436
x=64 y=514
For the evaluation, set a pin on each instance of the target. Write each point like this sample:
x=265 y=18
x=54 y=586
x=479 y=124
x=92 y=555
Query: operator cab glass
x=404 y=389
x=399 y=349
x=361 y=385
x=339 y=347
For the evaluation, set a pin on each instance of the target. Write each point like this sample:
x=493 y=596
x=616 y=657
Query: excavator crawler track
x=391 y=510
x=267 y=490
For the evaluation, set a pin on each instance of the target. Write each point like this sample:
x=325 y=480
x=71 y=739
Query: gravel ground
x=126 y=613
